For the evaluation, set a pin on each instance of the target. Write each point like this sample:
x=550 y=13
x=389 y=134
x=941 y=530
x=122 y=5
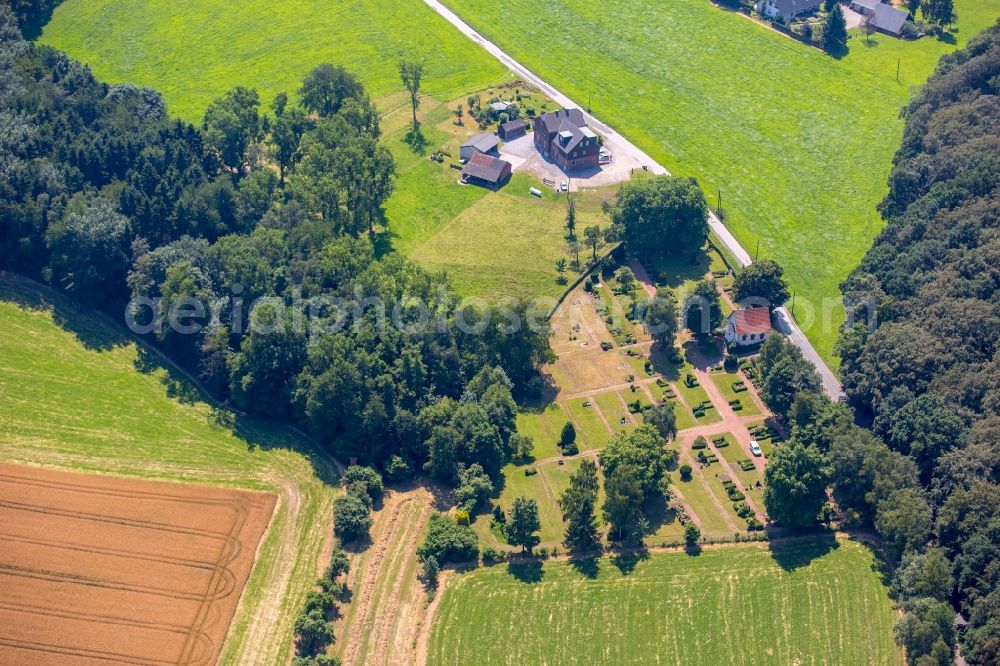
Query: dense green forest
x=255 y=243
x=921 y=371
x=922 y=361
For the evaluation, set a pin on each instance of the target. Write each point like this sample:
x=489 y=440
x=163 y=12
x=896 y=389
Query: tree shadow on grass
x=382 y=242
x=627 y=562
x=588 y=568
x=526 y=572
x=800 y=552
x=85 y=324
x=947 y=38
x=658 y=513
x=178 y=387
x=416 y=140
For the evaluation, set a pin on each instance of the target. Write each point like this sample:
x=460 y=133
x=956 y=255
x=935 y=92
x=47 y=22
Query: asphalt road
x=619 y=145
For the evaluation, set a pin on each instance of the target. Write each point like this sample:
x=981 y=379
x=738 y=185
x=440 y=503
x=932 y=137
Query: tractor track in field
x=390 y=614
x=370 y=580
x=373 y=630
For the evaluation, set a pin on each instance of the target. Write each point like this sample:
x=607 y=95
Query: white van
x=755 y=448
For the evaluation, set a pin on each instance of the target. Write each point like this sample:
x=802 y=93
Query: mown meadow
x=810 y=602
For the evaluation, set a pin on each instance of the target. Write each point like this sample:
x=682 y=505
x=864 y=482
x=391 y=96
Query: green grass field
x=506 y=243
x=804 y=603
x=544 y=426
x=696 y=493
x=590 y=430
x=545 y=487
x=78 y=394
x=799 y=143
x=194 y=52
x=611 y=406
x=724 y=381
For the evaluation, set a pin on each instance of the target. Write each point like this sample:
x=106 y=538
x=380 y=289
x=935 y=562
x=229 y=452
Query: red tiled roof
x=485 y=167
x=752 y=320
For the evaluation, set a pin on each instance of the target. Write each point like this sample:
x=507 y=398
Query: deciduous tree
x=796 y=478
x=325 y=89
x=522 y=524
x=660 y=317
x=232 y=124
x=761 y=283
x=411 y=73
x=665 y=215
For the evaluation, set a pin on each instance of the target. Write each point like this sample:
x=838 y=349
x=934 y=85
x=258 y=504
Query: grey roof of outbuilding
x=484 y=143
x=485 y=167
x=514 y=124
x=795 y=7
x=889 y=18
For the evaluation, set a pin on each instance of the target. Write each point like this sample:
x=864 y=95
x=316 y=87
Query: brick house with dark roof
x=487 y=171
x=563 y=135
x=749 y=326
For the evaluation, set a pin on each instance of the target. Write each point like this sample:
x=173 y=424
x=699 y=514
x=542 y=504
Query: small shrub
x=429 y=571
x=685 y=471
x=699 y=443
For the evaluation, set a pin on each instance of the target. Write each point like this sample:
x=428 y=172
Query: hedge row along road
x=619 y=145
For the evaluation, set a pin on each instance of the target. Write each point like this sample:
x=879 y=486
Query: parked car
x=563 y=186
x=755 y=448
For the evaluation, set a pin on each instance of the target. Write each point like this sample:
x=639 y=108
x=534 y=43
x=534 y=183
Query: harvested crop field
x=101 y=569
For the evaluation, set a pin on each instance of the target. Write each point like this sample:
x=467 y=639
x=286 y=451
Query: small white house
x=749 y=326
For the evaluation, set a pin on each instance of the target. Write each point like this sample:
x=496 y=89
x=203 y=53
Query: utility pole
x=793 y=303
x=757 y=251
x=718 y=208
x=897 y=69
